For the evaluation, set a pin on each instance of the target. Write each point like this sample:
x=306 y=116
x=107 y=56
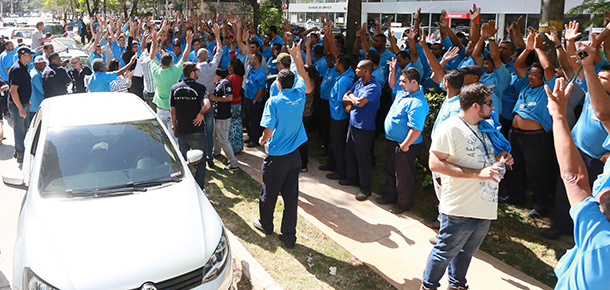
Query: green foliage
x=435 y=101
x=270 y=15
x=595 y=7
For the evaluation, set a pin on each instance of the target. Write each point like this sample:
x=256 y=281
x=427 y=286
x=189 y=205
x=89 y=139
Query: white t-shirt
x=465 y=197
x=36 y=39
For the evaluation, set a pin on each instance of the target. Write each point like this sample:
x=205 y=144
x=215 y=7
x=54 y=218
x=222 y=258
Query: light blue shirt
x=7 y=59
x=279 y=115
x=37 y=90
x=589 y=134
x=100 y=81
x=342 y=84
x=408 y=111
x=117 y=52
x=449 y=108
x=93 y=56
x=532 y=104
x=328 y=82
x=256 y=81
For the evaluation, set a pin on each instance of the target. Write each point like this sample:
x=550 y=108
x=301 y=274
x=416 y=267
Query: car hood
x=121 y=241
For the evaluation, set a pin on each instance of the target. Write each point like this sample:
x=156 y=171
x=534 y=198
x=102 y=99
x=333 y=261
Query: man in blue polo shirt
x=530 y=137
x=282 y=137
x=586 y=266
x=328 y=82
x=253 y=103
x=339 y=118
x=101 y=78
x=362 y=100
x=403 y=126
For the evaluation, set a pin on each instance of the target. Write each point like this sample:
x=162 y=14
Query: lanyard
x=482 y=140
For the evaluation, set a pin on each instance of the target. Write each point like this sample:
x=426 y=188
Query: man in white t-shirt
x=464 y=156
x=38 y=37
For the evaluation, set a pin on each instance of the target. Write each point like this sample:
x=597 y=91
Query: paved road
x=10 y=203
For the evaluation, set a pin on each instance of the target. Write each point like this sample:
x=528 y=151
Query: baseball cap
x=284 y=58
x=471 y=70
x=39 y=59
x=23 y=50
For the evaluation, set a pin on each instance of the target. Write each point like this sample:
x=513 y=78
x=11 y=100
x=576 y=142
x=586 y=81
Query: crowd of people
x=508 y=118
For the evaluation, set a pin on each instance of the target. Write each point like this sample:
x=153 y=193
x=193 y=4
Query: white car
x=110 y=204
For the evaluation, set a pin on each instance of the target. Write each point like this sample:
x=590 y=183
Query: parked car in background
x=14 y=33
x=111 y=204
x=7 y=22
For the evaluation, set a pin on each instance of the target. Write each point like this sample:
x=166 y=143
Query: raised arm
x=416 y=19
x=478 y=47
x=295 y=52
x=521 y=59
x=308 y=43
x=393 y=46
x=561 y=53
x=570 y=35
x=329 y=41
x=571 y=166
x=187 y=49
x=474 y=27
x=516 y=35
x=413 y=44
x=392 y=75
x=357 y=44
x=364 y=39
x=154 y=50
x=437 y=70
x=545 y=62
x=597 y=94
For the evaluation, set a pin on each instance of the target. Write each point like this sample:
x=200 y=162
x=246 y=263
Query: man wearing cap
x=283 y=61
x=19 y=103
x=37 y=87
x=38 y=38
x=586 y=266
x=55 y=79
x=77 y=73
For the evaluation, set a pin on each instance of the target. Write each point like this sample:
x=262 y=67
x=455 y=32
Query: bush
x=435 y=101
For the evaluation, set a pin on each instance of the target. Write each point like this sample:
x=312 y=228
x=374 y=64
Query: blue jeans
x=20 y=127
x=209 y=133
x=459 y=238
x=194 y=141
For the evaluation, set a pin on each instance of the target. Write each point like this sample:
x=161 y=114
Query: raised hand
x=529 y=44
x=475 y=12
x=591 y=52
x=392 y=64
x=295 y=49
x=412 y=33
x=216 y=29
x=553 y=36
x=558 y=98
x=422 y=37
x=538 y=41
x=571 y=31
x=442 y=22
x=417 y=15
x=451 y=54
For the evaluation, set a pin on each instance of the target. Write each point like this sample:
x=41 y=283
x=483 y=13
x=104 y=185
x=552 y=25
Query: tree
x=256 y=14
x=270 y=15
x=354 y=10
x=595 y=7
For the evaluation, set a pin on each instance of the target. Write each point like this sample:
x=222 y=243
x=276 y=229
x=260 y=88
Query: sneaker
x=362 y=196
x=457 y=288
x=334 y=176
x=288 y=242
x=257 y=224
x=534 y=214
x=229 y=168
x=325 y=168
x=551 y=233
x=433 y=240
x=397 y=209
x=383 y=200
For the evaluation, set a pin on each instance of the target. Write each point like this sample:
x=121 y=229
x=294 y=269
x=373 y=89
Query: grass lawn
x=307 y=266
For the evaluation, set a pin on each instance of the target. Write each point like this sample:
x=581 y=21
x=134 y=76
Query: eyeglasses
x=489 y=103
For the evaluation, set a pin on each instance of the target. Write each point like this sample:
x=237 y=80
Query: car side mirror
x=193 y=156
x=14 y=179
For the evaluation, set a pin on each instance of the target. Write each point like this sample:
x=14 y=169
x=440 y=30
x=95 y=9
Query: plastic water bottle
x=494 y=185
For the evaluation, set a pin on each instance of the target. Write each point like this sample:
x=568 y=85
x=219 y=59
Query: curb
x=261 y=280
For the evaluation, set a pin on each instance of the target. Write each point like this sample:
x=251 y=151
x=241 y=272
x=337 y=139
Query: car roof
x=94 y=108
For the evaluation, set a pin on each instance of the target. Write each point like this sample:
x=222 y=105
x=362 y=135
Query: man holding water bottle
x=464 y=153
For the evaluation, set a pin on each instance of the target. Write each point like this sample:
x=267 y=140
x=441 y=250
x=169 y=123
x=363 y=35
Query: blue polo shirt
x=379 y=76
x=226 y=56
x=586 y=265
x=408 y=112
x=449 y=108
x=210 y=45
x=531 y=104
x=454 y=63
x=266 y=52
x=7 y=59
x=277 y=39
x=321 y=65
x=117 y=52
x=100 y=81
x=417 y=65
x=37 y=90
x=342 y=84
x=383 y=60
x=509 y=97
x=193 y=57
x=589 y=134
x=364 y=117
x=498 y=80
x=279 y=115
x=328 y=82
x=274 y=90
x=256 y=81
x=93 y=56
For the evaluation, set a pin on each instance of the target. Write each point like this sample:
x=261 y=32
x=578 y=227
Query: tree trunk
x=256 y=14
x=354 y=10
x=551 y=14
x=88 y=8
x=134 y=8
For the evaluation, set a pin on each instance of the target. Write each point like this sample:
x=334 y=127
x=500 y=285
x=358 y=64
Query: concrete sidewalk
x=395 y=246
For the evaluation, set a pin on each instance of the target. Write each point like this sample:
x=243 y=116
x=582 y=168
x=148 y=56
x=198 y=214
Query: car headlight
x=218 y=260
x=33 y=282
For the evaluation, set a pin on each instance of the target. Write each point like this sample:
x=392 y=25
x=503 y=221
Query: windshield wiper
x=127 y=188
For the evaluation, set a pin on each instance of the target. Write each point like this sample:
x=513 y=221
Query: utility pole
x=354 y=10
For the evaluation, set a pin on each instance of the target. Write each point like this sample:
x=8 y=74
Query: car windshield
x=108 y=156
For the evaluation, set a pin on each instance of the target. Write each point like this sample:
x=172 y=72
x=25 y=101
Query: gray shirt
x=207 y=71
x=36 y=39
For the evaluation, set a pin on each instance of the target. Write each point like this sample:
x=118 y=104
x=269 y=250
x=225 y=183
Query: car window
x=99 y=156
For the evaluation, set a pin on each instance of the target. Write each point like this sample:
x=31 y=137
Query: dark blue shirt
x=19 y=75
x=364 y=117
x=55 y=80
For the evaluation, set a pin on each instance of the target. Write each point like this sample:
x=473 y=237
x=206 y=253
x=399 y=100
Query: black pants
x=506 y=125
x=535 y=160
x=358 y=157
x=336 y=149
x=400 y=173
x=281 y=173
x=254 y=113
x=561 y=215
x=323 y=123
x=137 y=86
x=303 y=149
